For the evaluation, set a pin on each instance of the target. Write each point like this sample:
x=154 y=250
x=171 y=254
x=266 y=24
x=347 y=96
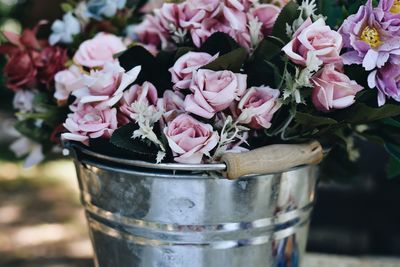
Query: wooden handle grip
x=272 y=159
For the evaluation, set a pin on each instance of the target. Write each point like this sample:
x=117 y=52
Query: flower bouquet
x=188 y=82
x=183 y=86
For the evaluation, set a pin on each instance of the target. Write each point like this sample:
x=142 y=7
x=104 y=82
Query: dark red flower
x=52 y=60
x=20 y=71
x=30 y=61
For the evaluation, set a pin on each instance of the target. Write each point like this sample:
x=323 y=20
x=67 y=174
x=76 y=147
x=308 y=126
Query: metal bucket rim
x=209 y=167
x=217 y=167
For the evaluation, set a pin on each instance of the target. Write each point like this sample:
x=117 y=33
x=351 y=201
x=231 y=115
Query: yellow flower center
x=395 y=9
x=371 y=37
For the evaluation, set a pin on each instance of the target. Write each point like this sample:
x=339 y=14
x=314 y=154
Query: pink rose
x=210 y=6
x=267 y=15
x=106 y=85
x=210 y=26
x=258 y=106
x=145 y=94
x=190 y=139
x=235 y=14
x=333 y=89
x=67 y=81
x=151 y=5
x=90 y=122
x=156 y=29
x=317 y=38
x=172 y=105
x=99 y=50
x=214 y=91
x=182 y=71
x=151 y=32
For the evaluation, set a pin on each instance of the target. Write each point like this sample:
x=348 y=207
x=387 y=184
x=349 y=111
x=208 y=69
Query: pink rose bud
x=172 y=104
x=90 y=122
x=68 y=81
x=98 y=51
x=235 y=14
x=333 y=89
x=145 y=94
x=214 y=91
x=190 y=139
x=182 y=71
x=172 y=101
x=258 y=106
x=267 y=15
x=317 y=38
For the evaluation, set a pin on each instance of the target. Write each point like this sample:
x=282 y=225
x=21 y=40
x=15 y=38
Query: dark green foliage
x=122 y=139
x=220 y=43
x=288 y=14
x=232 y=61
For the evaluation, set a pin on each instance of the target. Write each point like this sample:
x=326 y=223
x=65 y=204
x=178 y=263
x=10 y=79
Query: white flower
x=107 y=8
x=24 y=146
x=81 y=13
x=64 y=30
x=308 y=8
x=23 y=101
x=255 y=26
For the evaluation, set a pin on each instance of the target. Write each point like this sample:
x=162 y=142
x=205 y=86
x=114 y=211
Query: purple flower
x=391 y=15
x=387 y=80
x=368 y=39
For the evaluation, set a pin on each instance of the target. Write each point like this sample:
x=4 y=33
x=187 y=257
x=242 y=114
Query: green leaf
x=333 y=11
x=287 y=16
x=181 y=51
x=154 y=69
x=220 y=43
x=394 y=162
x=313 y=121
x=393 y=169
x=373 y=138
x=268 y=49
x=135 y=56
x=122 y=138
x=66 y=7
x=232 y=61
x=29 y=129
x=361 y=113
x=393 y=150
x=391 y=122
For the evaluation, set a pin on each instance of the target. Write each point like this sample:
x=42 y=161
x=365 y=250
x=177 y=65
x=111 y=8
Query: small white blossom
x=81 y=13
x=231 y=132
x=23 y=101
x=160 y=156
x=289 y=30
x=63 y=31
x=255 y=26
x=308 y=8
x=24 y=146
x=313 y=62
x=146 y=116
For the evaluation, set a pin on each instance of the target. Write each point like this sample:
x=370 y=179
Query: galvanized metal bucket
x=172 y=215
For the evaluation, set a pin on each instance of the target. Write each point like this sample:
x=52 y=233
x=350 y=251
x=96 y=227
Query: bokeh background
x=42 y=223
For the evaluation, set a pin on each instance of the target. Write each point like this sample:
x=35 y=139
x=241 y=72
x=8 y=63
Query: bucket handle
x=272 y=159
